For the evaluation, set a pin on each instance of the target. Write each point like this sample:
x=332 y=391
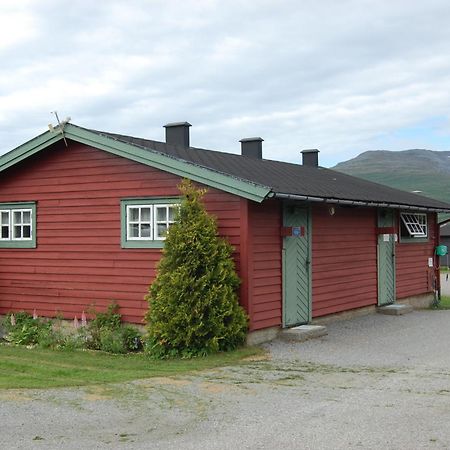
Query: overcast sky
x=340 y=76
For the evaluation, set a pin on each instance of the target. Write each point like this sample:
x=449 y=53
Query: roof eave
x=339 y=201
x=224 y=182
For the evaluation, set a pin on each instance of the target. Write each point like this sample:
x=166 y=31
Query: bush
x=132 y=338
x=27 y=330
x=105 y=332
x=112 y=341
x=193 y=304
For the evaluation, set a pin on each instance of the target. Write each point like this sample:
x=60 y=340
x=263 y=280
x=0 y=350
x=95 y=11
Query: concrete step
x=396 y=309
x=303 y=333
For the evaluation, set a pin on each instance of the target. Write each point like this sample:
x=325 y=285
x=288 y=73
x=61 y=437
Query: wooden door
x=296 y=267
x=386 y=259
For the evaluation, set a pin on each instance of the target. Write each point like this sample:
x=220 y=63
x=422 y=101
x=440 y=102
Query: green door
x=386 y=259
x=296 y=266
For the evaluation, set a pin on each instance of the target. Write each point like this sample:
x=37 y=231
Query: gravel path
x=373 y=382
x=445 y=283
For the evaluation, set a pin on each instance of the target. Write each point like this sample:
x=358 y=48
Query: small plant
x=22 y=329
x=132 y=338
x=112 y=341
x=105 y=332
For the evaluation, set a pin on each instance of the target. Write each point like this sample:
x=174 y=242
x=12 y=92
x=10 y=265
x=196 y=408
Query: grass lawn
x=37 y=368
x=445 y=302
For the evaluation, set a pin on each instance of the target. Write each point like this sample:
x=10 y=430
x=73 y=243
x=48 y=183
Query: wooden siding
x=344 y=259
x=414 y=277
x=78 y=261
x=265 y=278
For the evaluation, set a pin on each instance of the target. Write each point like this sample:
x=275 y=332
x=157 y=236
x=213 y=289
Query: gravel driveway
x=445 y=283
x=374 y=382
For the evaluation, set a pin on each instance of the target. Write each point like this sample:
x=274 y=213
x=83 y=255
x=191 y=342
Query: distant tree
x=193 y=303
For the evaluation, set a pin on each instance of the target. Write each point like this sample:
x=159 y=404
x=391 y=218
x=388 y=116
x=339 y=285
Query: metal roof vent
x=252 y=147
x=177 y=133
x=310 y=157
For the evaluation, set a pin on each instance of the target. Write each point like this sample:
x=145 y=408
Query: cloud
x=343 y=76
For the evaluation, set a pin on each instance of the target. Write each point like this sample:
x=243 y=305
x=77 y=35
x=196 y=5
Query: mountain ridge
x=414 y=170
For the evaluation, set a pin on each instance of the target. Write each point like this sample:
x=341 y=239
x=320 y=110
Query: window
x=164 y=217
x=17 y=225
x=145 y=222
x=413 y=227
x=139 y=222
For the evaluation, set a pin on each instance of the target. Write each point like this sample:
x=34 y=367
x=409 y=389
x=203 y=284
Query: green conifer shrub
x=193 y=303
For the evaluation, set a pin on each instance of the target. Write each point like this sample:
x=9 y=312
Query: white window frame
x=139 y=223
x=416 y=224
x=8 y=224
x=21 y=224
x=12 y=224
x=154 y=240
x=166 y=222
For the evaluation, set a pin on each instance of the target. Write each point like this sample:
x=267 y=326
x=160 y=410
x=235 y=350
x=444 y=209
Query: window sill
x=17 y=244
x=142 y=244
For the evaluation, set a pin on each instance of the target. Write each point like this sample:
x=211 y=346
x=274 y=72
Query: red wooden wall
x=413 y=275
x=344 y=259
x=265 y=277
x=79 y=260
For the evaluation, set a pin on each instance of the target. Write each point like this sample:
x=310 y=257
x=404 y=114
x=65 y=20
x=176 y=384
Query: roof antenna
x=60 y=125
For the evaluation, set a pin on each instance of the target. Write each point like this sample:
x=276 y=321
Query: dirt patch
x=14 y=396
x=214 y=388
x=166 y=381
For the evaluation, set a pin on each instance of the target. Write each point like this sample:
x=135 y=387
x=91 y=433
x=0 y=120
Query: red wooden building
x=83 y=215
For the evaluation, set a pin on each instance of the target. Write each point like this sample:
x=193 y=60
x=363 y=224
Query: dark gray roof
x=287 y=179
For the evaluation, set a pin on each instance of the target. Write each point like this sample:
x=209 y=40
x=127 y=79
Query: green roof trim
x=224 y=182
x=28 y=149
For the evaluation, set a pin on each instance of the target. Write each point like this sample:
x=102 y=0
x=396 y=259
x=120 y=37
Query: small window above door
x=413 y=227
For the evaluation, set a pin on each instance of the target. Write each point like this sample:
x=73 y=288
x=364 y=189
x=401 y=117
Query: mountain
x=426 y=171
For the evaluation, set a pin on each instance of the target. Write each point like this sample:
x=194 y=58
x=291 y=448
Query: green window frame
x=18 y=225
x=413 y=227
x=144 y=221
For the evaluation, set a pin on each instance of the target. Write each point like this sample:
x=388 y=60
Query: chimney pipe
x=177 y=133
x=252 y=147
x=310 y=157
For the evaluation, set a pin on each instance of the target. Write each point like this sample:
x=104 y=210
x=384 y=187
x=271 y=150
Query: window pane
x=17 y=232
x=26 y=231
x=133 y=230
x=17 y=215
x=161 y=229
x=5 y=218
x=4 y=232
x=26 y=217
x=415 y=224
x=172 y=213
x=133 y=214
x=161 y=214
x=145 y=230
x=145 y=214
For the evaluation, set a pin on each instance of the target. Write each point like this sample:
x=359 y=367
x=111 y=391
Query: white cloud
x=17 y=25
x=342 y=76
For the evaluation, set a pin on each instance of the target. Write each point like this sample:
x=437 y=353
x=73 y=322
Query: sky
x=341 y=76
